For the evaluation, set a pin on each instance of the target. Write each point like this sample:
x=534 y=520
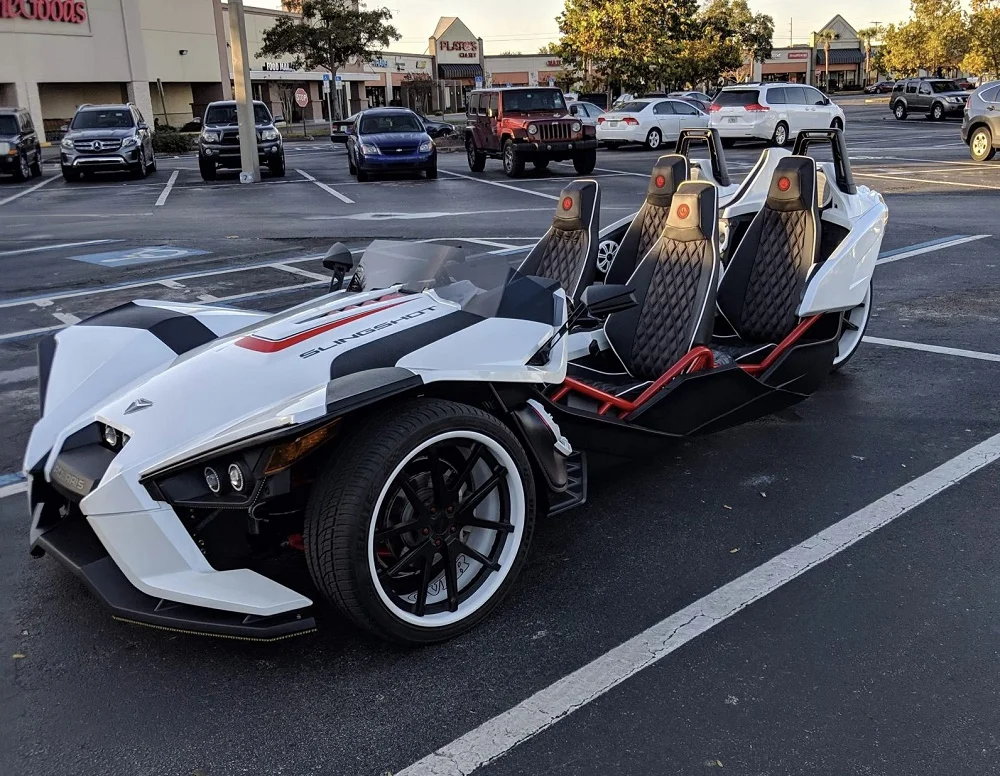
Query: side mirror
x=601 y=301
x=490 y=113
x=339 y=261
x=64 y=128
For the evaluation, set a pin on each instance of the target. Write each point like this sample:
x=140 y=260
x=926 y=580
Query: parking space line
x=161 y=200
x=41 y=248
x=20 y=194
x=325 y=188
x=605 y=169
x=978 y=355
x=13 y=489
x=499 y=735
x=909 y=179
x=172 y=284
x=29 y=333
x=937 y=245
x=68 y=318
x=299 y=271
x=499 y=185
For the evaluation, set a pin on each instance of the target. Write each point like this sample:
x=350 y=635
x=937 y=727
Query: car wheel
x=477 y=159
x=419 y=523
x=654 y=139
x=351 y=168
x=606 y=252
x=207 y=170
x=152 y=163
x=981 y=145
x=36 y=166
x=363 y=177
x=70 y=175
x=277 y=169
x=540 y=164
x=432 y=173
x=140 y=170
x=585 y=162
x=512 y=166
x=837 y=124
x=780 y=136
x=899 y=111
x=23 y=170
x=853 y=331
x=937 y=112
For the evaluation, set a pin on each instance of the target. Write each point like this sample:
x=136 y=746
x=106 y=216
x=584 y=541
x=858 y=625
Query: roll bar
x=838 y=146
x=711 y=138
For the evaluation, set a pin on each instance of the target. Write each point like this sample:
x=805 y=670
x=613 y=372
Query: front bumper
x=106 y=161
x=10 y=164
x=533 y=149
x=954 y=110
x=229 y=156
x=400 y=162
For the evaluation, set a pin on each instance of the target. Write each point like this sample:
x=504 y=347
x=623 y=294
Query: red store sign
x=71 y=11
x=467 y=49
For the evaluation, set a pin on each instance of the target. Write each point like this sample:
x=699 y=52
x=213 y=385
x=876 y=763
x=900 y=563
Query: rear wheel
x=899 y=111
x=477 y=159
x=937 y=112
x=981 y=145
x=837 y=124
x=207 y=170
x=780 y=136
x=853 y=331
x=654 y=139
x=513 y=166
x=420 y=522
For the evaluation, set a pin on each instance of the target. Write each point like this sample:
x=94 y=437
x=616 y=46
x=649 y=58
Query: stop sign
x=301 y=98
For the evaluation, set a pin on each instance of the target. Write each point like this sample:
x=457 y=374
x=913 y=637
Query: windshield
x=226 y=114
x=8 y=125
x=391 y=122
x=486 y=285
x=118 y=118
x=529 y=101
x=945 y=86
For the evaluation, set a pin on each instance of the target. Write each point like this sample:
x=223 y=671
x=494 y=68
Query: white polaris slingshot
x=402 y=434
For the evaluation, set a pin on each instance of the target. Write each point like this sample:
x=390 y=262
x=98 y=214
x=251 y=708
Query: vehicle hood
x=527 y=118
x=266 y=125
x=99 y=134
x=9 y=138
x=389 y=139
x=954 y=93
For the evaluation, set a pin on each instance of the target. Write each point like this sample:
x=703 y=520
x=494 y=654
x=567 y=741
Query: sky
x=525 y=25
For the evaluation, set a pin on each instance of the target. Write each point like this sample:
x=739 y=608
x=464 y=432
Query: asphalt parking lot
x=686 y=619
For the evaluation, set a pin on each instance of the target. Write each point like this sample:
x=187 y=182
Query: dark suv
x=936 y=98
x=526 y=125
x=981 y=122
x=20 y=151
x=219 y=142
x=107 y=137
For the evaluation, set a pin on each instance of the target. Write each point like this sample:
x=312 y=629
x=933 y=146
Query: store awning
x=457 y=72
x=841 y=56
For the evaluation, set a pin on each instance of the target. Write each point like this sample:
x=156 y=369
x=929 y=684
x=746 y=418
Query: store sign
x=279 y=67
x=798 y=55
x=71 y=11
x=421 y=64
x=383 y=63
x=554 y=63
x=466 y=49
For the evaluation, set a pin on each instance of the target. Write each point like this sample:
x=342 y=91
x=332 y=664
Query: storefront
x=523 y=70
x=846 y=68
x=789 y=65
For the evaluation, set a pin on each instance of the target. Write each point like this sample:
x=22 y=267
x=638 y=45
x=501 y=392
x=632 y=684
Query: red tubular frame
x=784 y=345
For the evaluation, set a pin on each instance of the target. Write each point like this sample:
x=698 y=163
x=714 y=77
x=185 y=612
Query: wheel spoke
x=415 y=554
x=425 y=581
x=419 y=507
x=473 y=501
x=450 y=576
x=437 y=478
x=398 y=530
x=470 y=463
x=492 y=565
x=489 y=525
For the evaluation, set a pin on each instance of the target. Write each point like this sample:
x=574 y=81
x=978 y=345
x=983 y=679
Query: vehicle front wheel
x=351 y=169
x=477 y=159
x=36 y=167
x=207 y=170
x=363 y=177
x=585 y=162
x=654 y=139
x=140 y=170
x=981 y=145
x=419 y=523
x=70 y=174
x=277 y=168
x=899 y=111
x=937 y=112
x=512 y=165
x=23 y=170
x=853 y=331
x=432 y=173
x=780 y=136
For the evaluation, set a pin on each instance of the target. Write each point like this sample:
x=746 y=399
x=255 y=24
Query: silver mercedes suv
x=107 y=137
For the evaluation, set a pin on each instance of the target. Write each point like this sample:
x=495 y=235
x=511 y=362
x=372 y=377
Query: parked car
x=587 y=112
x=965 y=83
x=526 y=124
x=879 y=87
x=390 y=140
x=936 y=98
x=340 y=127
x=107 y=137
x=981 y=122
x=20 y=151
x=219 y=142
x=436 y=128
x=695 y=95
x=776 y=112
x=650 y=121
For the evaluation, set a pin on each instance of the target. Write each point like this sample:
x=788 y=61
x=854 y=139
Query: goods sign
x=71 y=11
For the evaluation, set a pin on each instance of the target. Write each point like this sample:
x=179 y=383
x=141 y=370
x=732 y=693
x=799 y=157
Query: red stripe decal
x=273 y=346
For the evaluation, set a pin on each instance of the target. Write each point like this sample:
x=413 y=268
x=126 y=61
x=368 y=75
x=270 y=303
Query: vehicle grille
x=230 y=137
x=398 y=150
x=87 y=146
x=557 y=131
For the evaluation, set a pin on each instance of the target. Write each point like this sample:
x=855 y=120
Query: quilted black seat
x=669 y=172
x=763 y=286
x=567 y=252
x=622 y=385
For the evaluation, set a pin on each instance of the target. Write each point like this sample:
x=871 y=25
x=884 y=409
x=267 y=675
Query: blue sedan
x=390 y=140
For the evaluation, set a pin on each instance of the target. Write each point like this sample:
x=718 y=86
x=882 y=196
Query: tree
x=984 y=39
x=935 y=39
x=826 y=37
x=867 y=35
x=551 y=48
x=328 y=34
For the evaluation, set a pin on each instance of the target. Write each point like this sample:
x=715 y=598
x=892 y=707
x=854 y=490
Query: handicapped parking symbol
x=144 y=255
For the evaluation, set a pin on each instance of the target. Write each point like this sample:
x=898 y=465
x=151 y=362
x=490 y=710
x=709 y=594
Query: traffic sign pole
x=302 y=100
x=329 y=102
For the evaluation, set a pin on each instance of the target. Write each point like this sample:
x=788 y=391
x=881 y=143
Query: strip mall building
x=172 y=57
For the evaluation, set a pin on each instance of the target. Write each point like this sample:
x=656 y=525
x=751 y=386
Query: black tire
x=780 y=137
x=140 y=170
x=899 y=111
x=585 y=162
x=512 y=166
x=277 y=169
x=354 y=494
x=836 y=124
x=36 y=166
x=432 y=173
x=70 y=175
x=728 y=142
x=363 y=176
x=981 y=144
x=207 y=170
x=152 y=163
x=351 y=168
x=23 y=170
x=937 y=112
x=856 y=331
x=476 y=158
x=541 y=165
x=654 y=139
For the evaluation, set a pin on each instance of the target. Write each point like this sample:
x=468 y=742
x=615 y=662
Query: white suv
x=775 y=112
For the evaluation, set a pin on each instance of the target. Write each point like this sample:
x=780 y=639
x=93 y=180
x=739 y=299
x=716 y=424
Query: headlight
x=426 y=147
x=954 y=99
x=270 y=134
x=67 y=144
x=369 y=148
x=210 y=137
x=532 y=129
x=576 y=126
x=129 y=141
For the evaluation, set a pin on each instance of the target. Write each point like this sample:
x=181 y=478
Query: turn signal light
x=285 y=455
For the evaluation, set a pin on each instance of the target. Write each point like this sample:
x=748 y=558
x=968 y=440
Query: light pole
x=243 y=94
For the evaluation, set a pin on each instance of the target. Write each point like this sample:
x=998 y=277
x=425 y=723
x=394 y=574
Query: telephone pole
x=243 y=93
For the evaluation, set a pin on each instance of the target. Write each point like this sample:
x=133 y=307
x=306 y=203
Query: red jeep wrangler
x=526 y=124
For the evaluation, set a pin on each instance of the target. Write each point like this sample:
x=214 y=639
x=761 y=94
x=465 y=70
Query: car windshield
x=945 y=86
x=226 y=114
x=8 y=125
x=390 y=122
x=118 y=118
x=632 y=107
x=737 y=98
x=488 y=286
x=530 y=101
